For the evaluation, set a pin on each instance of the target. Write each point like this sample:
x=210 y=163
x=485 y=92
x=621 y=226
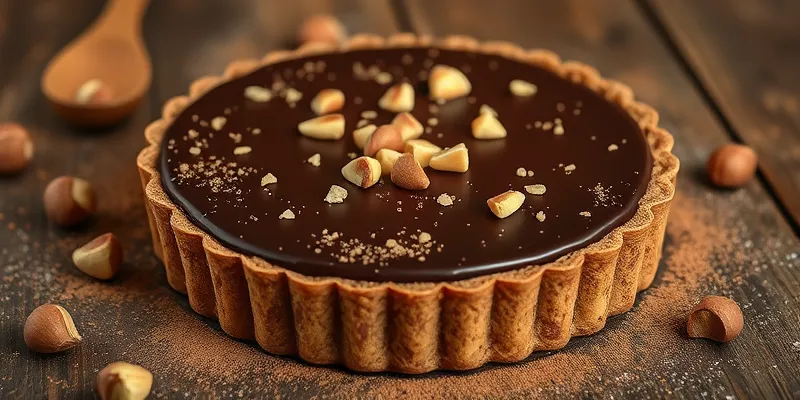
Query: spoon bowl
x=112 y=51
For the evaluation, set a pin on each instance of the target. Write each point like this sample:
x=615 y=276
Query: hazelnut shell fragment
x=50 y=329
x=732 y=165
x=16 y=148
x=68 y=201
x=717 y=318
x=408 y=173
x=123 y=381
x=99 y=258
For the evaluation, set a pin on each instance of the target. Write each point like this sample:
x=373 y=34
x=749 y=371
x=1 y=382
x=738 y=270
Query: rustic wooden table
x=717 y=70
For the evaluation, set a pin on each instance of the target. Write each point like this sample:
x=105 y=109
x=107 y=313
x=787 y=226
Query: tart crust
x=415 y=327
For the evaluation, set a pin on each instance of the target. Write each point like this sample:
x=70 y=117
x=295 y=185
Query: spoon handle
x=123 y=16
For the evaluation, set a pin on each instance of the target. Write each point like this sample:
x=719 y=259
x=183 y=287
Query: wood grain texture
x=749 y=252
x=746 y=54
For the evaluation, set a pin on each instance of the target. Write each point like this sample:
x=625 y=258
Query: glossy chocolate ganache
x=590 y=156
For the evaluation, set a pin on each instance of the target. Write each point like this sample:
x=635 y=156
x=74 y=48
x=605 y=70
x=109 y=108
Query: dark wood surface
x=735 y=243
x=746 y=57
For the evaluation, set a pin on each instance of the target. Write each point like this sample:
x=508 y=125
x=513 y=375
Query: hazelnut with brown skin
x=69 y=201
x=94 y=92
x=322 y=28
x=717 y=318
x=16 y=148
x=732 y=165
x=50 y=329
x=99 y=258
x=124 y=381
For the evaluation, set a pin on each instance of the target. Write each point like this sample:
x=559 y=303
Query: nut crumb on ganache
x=268 y=179
x=315 y=160
x=288 y=214
x=444 y=199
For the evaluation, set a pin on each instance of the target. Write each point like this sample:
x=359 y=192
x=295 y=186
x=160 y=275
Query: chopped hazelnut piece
x=540 y=216
x=585 y=214
x=268 y=179
x=258 y=94
x=424 y=237
x=530 y=173
x=362 y=123
x=486 y=109
x=522 y=88
x=447 y=83
x=521 y=172
x=292 y=95
x=569 y=168
x=408 y=173
x=558 y=129
x=422 y=150
x=242 y=150
x=507 y=203
x=444 y=199
x=454 y=159
x=326 y=127
x=399 y=98
x=537 y=189
x=387 y=158
x=369 y=114
x=336 y=194
x=288 y=214
x=361 y=135
x=385 y=137
x=93 y=91
x=613 y=147
x=195 y=151
x=383 y=78
x=327 y=101
x=363 y=171
x=486 y=126
x=218 y=122
x=315 y=160
x=408 y=126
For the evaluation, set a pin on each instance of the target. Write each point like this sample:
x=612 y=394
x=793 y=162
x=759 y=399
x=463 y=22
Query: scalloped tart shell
x=419 y=327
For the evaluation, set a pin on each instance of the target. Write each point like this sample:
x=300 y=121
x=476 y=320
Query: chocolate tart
x=321 y=286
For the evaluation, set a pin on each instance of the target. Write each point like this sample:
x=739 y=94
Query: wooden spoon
x=110 y=51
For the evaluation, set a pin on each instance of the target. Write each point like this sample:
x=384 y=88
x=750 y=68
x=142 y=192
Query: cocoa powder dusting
x=138 y=318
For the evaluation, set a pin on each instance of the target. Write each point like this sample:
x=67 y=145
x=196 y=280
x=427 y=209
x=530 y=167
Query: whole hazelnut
x=99 y=258
x=94 y=92
x=322 y=28
x=123 y=381
x=50 y=329
x=732 y=165
x=68 y=201
x=717 y=318
x=16 y=148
